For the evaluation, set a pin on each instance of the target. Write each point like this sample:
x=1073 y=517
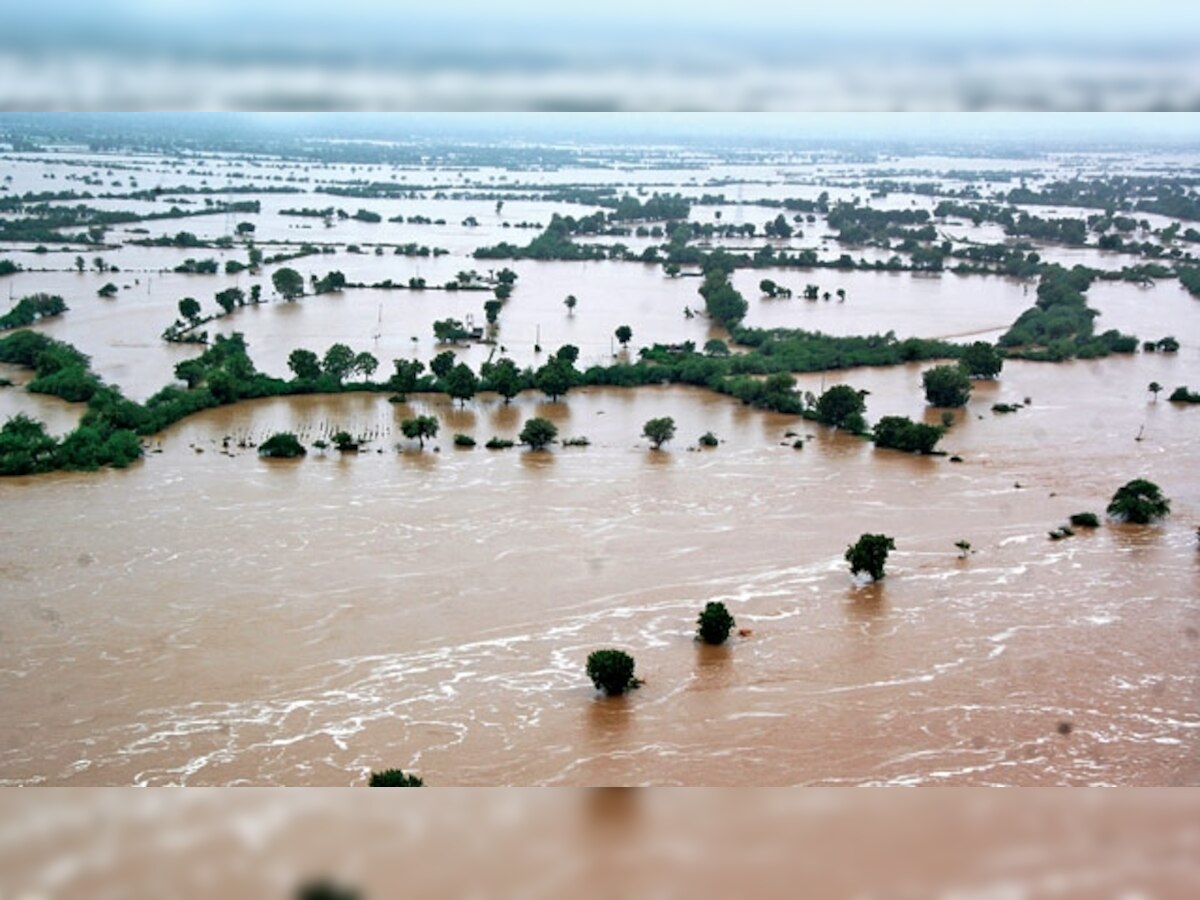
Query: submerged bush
x=464 y=440
x=869 y=553
x=714 y=623
x=283 y=445
x=611 y=671
x=498 y=443
x=708 y=439
x=1139 y=502
x=1085 y=520
x=395 y=778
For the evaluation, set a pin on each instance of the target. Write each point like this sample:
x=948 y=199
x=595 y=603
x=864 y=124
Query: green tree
x=611 y=671
x=714 y=623
x=901 y=433
x=462 y=383
x=365 y=364
x=305 y=364
x=842 y=407
x=338 y=361
x=491 y=310
x=570 y=303
x=1154 y=388
x=189 y=309
x=109 y=290
x=723 y=303
x=289 y=283
x=869 y=554
x=505 y=379
x=946 y=386
x=80 y=264
x=441 y=364
x=659 y=431
x=283 y=445
x=980 y=360
x=768 y=287
x=408 y=371
x=538 y=433
x=1139 y=502
x=449 y=331
x=419 y=428
x=554 y=379
x=229 y=298
x=624 y=335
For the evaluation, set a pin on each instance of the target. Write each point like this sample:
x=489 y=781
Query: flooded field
x=208 y=617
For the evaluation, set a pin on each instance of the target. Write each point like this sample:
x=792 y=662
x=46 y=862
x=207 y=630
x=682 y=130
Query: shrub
x=1085 y=520
x=869 y=554
x=344 y=442
x=611 y=671
x=497 y=443
x=1005 y=407
x=901 y=433
x=580 y=441
x=395 y=778
x=714 y=623
x=708 y=439
x=283 y=445
x=464 y=440
x=1183 y=395
x=1138 y=501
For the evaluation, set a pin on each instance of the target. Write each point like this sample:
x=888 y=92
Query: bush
x=344 y=442
x=464 y=440
x=714 y=623
x=497 y=443
x=708 y=439
x=1139 y=501
x=611 y=671
x=395 y=778
x=1183 y=395
x=580 y=441
x=869 y=554
x=283 y=445
x=901 y=433
x=1085 y=520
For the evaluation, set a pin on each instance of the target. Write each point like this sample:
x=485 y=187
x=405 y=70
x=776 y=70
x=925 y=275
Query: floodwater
x=209 y=617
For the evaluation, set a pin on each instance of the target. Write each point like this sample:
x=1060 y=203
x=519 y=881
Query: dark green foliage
x=714 y=623
x=464 y=440
x=108 y=291
x=505 y=379
x=980 y=360
x=497 y=443
x=1139 y=502
x=407 y=374
x=946 y=386
x=1005 y=407
x=554 y=379
x=659 y=431
x=901 y=433
x=842 y=407
x=395 y=778
x=611 y=671
x=305 y=364
x=8 y=267
x=25 y=447
x=282 y=445
x=538 y=433
x=441 y=364
x=326 y=890
x=32 y=308
x=1190 y=279
x=722 y=301
x=288 y=283
x=1181 y=394
x=1085 y=520
x=419 y=428
x=344 y=441
x=708 y=439
x=624 y=335
x=869 y=554
x=338 y=362
x=461 y=383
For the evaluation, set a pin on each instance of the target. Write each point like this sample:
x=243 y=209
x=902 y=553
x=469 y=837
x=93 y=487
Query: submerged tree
x=946 y=386
x=395 y=778
x=419 y=428
x=659 y=431
x=869 y=553
x=289 y=283
x=714 y=623
x=611 y=671
x=283 y=445
x=538 y=433
x=1139 y=502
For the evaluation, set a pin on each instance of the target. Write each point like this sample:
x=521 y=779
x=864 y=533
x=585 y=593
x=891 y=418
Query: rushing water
x=209 y=617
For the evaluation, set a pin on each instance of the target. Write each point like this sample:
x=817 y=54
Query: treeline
x=29 y=309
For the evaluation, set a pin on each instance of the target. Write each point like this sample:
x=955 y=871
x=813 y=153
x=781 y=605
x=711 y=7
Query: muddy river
x=208 y=617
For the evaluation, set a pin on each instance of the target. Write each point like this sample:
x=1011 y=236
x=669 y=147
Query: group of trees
x=339 y=363
x=32 y=308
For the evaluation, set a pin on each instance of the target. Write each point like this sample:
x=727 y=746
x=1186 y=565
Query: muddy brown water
x=205 y=618
x=208 y=617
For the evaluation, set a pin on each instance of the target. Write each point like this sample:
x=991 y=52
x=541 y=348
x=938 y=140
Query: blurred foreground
x=102 y=843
